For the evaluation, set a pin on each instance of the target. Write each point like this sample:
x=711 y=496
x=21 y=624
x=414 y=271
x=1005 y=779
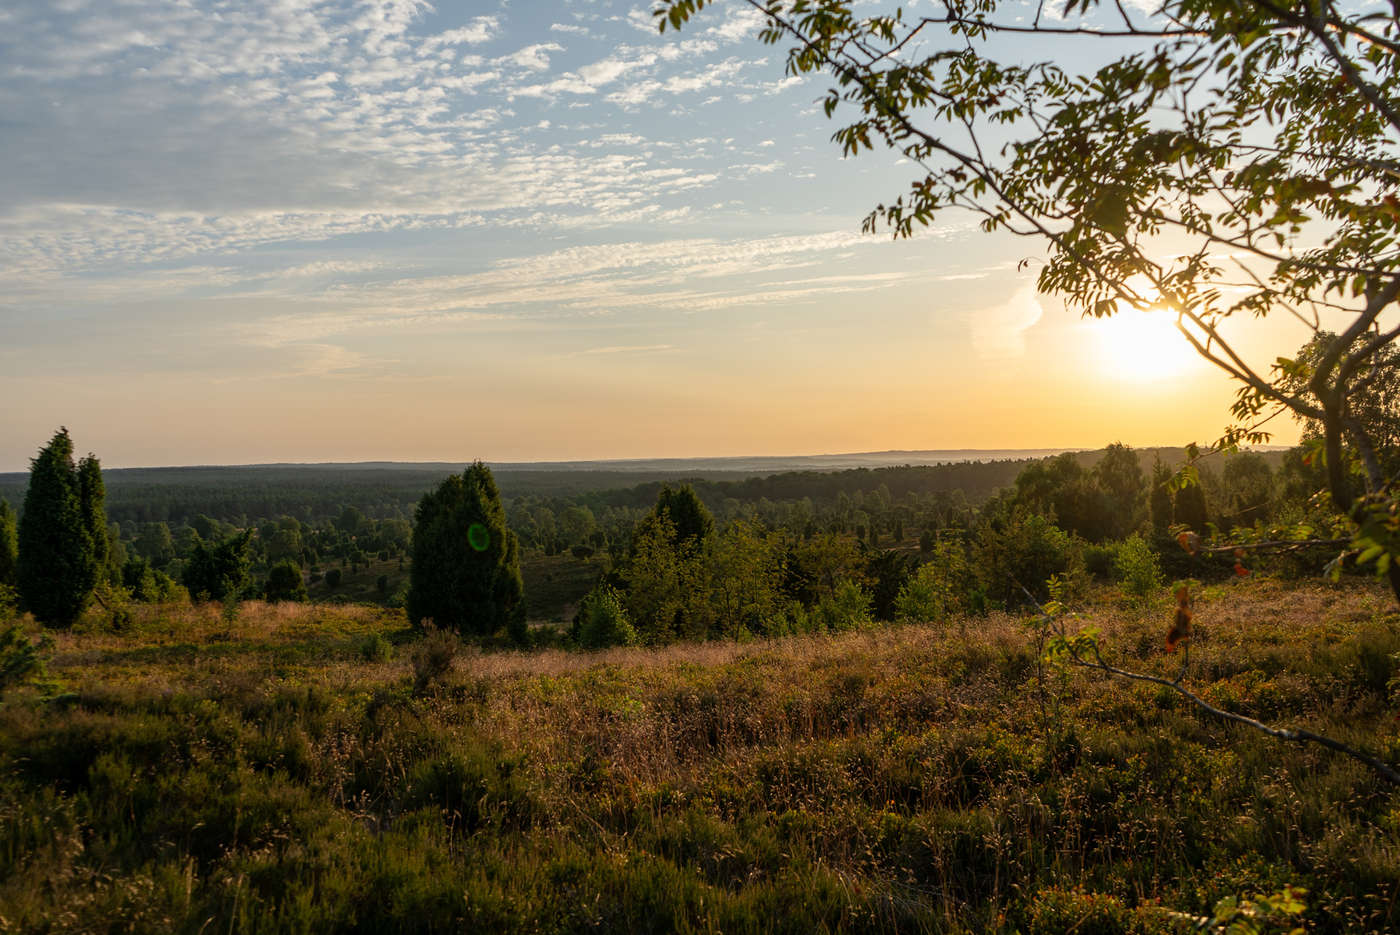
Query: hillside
x=276 y=771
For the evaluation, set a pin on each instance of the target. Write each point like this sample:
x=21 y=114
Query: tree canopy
x=1203 y=159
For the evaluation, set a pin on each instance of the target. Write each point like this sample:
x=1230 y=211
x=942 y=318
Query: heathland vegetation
x=728 y=711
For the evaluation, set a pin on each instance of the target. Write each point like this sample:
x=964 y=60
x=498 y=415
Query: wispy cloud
x=629 y=349
x=999 y=332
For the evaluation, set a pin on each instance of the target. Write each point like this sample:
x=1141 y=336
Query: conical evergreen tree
x=58 y=563
x=466 y=570
x=92 y=493
x=688 y=516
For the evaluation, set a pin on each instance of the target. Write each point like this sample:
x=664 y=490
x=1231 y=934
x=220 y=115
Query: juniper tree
x=466 y=571
x=689 y=518
x=59 y=561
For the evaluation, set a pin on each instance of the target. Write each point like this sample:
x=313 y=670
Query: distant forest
x=247 y=495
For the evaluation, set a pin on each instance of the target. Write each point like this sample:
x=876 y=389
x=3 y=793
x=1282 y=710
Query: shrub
x=1136 y=566
x=847 y=607
x=602 y=620
x=433 y=656
x=284 y=583
x=62 y=536
x=373 y=647
x=217 y=573
x=333 y=578
x=20 y=661
x=938 y=589
x=1021 y=549
x=1100 y=560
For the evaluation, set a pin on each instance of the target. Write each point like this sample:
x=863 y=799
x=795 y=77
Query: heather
x=284 y=767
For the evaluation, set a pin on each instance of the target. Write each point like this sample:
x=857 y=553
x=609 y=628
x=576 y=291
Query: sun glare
x=1141 y=346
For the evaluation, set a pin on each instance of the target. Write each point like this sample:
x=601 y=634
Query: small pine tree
x=602 y=620
x=58 y=562
x=465 y=571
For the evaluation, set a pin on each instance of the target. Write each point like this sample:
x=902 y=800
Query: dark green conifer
x=284 y=582
x=689 y=517
x=58 y=562
x=220 y=572
x=92 y=495
x=465 y=574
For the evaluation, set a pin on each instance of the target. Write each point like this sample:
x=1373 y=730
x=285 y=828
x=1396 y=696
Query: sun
x=1141 y=347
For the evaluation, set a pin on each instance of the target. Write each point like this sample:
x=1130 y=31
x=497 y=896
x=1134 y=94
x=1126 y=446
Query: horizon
x=884 y=457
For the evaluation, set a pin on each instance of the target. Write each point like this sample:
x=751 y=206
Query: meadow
x=286 y=768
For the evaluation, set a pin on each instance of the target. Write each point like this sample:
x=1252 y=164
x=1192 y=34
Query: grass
x=267 y=774
x=555 y=584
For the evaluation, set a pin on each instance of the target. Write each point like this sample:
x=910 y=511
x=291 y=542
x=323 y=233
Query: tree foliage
x=466 y=572
x=59 y=559
x=219 y=572
x=688 y=517
x=1205 y=160
x=284 y=583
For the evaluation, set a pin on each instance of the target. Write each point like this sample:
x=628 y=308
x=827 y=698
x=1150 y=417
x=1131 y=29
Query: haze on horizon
x=288 y=231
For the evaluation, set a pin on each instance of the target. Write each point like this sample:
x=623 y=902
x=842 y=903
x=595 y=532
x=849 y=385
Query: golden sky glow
x=533 y=233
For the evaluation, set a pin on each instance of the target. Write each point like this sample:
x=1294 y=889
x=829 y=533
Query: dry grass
x=913 y=778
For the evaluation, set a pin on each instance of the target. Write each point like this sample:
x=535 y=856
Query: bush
x=333 y=578
x=433 y=656
x=1022 y=550
x=1099 y=561
x=466 y=569
x=1136 y=566
x=284 y=583
x=602 y=620
x=938 y=589
x=845 y=609
x=375 y=648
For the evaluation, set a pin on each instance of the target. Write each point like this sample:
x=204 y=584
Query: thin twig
x=1293 y=735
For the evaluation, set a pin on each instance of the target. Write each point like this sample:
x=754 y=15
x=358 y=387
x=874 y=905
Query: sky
x=287 y=230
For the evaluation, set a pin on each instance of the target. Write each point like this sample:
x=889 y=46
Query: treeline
x=63 y=551
x=787 y=568
x=248 y=495
x=753 y=557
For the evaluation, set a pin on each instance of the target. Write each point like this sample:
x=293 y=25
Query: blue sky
x=288 y=230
